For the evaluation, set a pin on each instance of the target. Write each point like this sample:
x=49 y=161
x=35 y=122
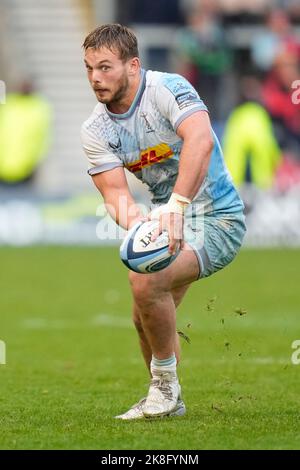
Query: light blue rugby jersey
x=144 y=141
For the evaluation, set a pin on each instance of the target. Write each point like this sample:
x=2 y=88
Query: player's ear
x=134 y=65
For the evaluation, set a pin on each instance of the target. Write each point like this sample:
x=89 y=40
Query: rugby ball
x=142 y=255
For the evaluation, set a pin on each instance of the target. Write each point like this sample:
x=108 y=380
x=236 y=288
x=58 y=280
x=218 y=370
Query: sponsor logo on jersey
x=186 y=99
x=150 y=156
x=115 y=145
x=179 y=86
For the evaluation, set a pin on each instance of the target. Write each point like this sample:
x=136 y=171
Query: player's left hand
x=173 y=224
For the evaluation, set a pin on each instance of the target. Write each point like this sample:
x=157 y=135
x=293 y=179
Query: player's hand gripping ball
x=142 y=255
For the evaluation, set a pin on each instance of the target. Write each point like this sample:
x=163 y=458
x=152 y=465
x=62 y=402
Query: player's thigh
x=182 y=272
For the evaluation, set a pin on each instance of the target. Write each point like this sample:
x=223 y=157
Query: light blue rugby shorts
x=215 y=239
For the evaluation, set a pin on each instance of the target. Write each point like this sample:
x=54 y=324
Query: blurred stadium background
x=243 y=57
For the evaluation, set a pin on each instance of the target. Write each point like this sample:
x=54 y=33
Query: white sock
x=163 y=365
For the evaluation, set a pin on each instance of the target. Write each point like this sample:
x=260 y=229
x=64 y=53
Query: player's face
x=107 y=74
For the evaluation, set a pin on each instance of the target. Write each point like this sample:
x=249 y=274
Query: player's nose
x=96 y=77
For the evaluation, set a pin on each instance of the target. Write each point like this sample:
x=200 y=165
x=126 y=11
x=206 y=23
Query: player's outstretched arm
x=118 y=200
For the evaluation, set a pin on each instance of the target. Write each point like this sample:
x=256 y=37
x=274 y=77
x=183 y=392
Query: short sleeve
x=99 y=157
x=177 y=99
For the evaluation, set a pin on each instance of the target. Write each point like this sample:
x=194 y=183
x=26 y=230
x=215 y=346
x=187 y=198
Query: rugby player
x=156 y=125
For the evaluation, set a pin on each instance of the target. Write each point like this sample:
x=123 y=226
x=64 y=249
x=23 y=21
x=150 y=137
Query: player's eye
x=105 y=68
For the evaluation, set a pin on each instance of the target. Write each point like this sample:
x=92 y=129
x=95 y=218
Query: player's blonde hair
x=115 y=37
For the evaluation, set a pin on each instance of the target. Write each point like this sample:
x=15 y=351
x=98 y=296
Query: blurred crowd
x=249 y=90
x=252 y=89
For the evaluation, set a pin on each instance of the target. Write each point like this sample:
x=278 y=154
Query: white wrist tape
x=176 y=204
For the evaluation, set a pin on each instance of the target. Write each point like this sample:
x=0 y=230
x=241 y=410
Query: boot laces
x=164 y=386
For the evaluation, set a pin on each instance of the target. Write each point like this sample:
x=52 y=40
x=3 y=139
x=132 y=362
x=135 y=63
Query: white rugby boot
x=136 y=411
x=163 y=394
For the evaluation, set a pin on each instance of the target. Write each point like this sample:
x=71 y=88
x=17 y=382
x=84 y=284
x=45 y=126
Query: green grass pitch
x=73 y=360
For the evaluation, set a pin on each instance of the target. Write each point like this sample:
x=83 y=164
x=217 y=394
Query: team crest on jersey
x=150 y=156
x=149 y=128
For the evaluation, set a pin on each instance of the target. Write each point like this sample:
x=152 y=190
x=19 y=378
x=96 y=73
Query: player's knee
x=145 y=288
x=142 y=292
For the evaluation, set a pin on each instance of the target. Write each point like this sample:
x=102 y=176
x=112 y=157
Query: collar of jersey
x=135 y=102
